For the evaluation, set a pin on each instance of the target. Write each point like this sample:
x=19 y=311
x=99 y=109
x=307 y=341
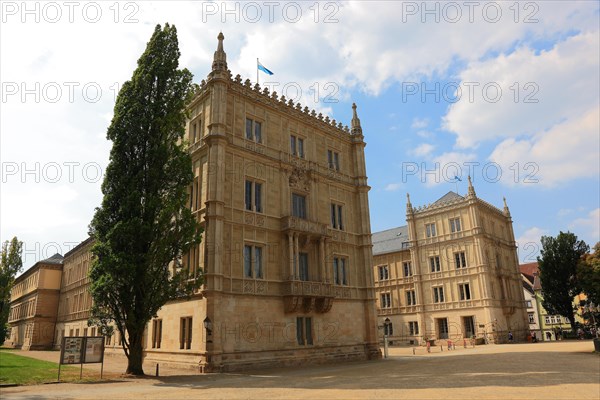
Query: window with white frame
x=299 y=205
x=253 y=262
x=430 y=230
x=460 y=259
x=406 y=265
x=438 y=294
x=253 y=130
x=413 y=328
x=464 y=291
x=185 y=333
x=455 y=225
x=340 y=274
x=333 y=160
x=434 y=264
x=253 y=196
x=304 y=331
x=384 y=272
x=297 y=146
x=336 y=216
x=531 y=317
x=386 y=300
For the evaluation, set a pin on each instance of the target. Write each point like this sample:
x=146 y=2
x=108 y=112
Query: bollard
x=413 y=351
x=465 y=343
x=156 y=369
x=428 y=346
x=441 y=348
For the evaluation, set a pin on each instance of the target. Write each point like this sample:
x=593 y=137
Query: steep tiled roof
x=529 y=270
x=55 y=259
x=448 y=197
x=391 y=240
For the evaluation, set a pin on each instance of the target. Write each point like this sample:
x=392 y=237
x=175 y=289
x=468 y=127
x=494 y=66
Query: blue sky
x=504 y=87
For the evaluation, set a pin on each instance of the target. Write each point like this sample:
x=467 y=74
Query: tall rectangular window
x=303 y=261
x=333 y=160
x=185 y=333
x=336 y=216
x=253 y=196
x=253 y=262
x=253 y=130
x=434 y=263
x=531 y=317
x=455 y=225
x=469 y=324
x=297 y=146
x=443 y=328
x=340 y=274
x=460 y=259
x=407 y=268
x=298 y=206
x=430 y=230
x=386 y=300
x=438 y=294
x=156 y=333
x=384 y=273
x=413 y=328
x=464 y=291
x=304 y=334
x=411 y=298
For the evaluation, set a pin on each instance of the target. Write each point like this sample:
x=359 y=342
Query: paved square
x=555 y=370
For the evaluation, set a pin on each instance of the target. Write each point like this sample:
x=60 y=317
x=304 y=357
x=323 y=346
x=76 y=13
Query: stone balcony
x=301 y=225
x=307 y=296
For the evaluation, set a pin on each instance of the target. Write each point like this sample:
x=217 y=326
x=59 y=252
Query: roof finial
x=220 y=58
x=506 y=210
x=409 y=208
x=471 y=191
x=355 y=124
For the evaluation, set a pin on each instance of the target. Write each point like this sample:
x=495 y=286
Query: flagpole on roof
x=257 y=70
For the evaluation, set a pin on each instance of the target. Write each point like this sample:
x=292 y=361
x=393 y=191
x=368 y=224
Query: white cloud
x=529 y=245
x=393 y=187
x=569 y=150
x=564 y=81
x=423 y=150
x=588 y=227
x=419 y=123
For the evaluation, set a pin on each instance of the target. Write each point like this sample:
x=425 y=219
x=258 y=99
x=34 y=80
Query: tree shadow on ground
x=516 y=369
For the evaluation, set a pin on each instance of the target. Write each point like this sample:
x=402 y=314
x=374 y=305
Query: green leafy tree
x=558 y=263
x=588 y=275
x=10 y=266
x=143 y=227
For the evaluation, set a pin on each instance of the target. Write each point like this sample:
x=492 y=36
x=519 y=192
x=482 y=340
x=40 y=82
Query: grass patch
x=21 y=370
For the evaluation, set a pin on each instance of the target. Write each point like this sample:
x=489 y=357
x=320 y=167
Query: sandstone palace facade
x=282 y=196
x=451 y=274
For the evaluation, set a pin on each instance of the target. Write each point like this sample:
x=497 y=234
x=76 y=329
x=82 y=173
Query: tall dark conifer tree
x=143 y=227
x=558 y=263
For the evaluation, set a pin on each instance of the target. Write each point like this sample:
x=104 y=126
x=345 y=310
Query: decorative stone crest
x=300 y=179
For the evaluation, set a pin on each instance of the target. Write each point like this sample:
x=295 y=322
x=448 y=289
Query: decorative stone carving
x=261 y=287
x=292 y=303
x=308 y=304
x=248 y=287
x=300 y=178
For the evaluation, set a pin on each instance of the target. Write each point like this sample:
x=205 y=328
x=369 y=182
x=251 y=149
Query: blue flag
x=457 y=178
x=263 y=69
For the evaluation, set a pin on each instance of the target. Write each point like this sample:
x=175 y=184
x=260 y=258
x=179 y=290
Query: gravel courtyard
x=555 y=370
